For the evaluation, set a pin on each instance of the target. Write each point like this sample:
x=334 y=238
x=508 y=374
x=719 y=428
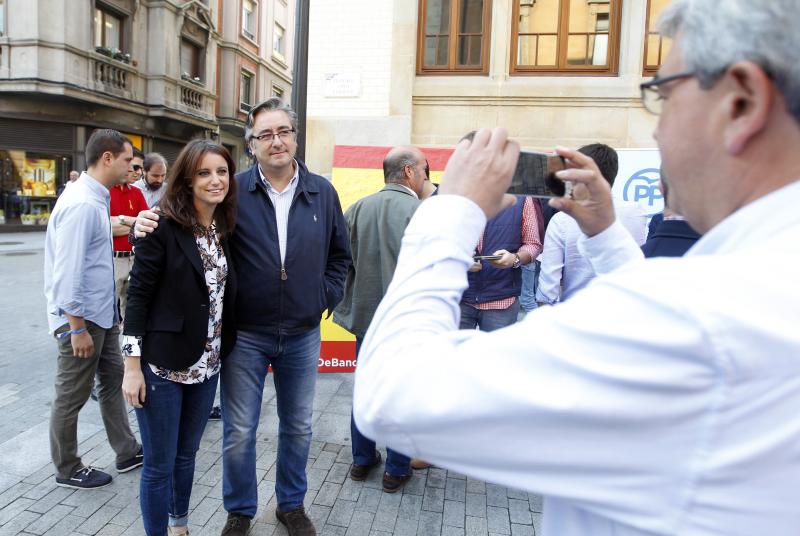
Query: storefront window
x=30 y=184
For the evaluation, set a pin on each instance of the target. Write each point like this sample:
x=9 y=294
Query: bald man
x=376 y=225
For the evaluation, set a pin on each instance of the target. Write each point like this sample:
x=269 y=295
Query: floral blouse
x=215 y=266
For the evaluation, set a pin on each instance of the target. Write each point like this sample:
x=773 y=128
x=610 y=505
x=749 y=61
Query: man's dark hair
x=104 y=140
x=269 y=105
x=394 y=166
x=137 y=153
x=151 y=159
x=178 y=203
x=606 y=159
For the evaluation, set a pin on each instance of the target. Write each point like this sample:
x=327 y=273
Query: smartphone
x=477 y=258
x=536 y=176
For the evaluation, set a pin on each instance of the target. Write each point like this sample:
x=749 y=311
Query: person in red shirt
x=126 y=202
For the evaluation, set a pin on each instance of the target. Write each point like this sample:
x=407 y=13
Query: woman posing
x=178 y=327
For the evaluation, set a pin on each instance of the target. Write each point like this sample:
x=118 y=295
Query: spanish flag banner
x=357 y=173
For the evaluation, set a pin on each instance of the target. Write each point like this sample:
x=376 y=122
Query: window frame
x=123 y=22
x=245 y=73
x=246 y=32
x=452 y=48
x=562 y=46
x=650 y=70
x=199 y=59
x=280 y=54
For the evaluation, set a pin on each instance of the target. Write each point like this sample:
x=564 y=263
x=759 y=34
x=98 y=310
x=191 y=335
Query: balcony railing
x=111 y=76
x=191 y=98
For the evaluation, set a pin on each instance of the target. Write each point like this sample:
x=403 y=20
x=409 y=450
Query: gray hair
x=152 y=159
x=394 y=166
x=716 y=34
x=273 y=103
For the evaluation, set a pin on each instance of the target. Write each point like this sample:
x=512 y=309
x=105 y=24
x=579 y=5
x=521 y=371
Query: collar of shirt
x=290 y=186
x=94 y=185
x=746 y=228
x=409 y=189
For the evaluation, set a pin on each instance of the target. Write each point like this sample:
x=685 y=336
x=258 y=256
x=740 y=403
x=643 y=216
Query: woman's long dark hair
x=177 y=203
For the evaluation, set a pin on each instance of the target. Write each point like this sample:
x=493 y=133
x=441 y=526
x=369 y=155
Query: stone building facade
x=386 y=72
x=161 y=71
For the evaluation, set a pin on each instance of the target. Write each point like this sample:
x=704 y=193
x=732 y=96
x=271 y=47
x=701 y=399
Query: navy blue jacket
x=671 y=238
x=317 y=256
x=504 y=231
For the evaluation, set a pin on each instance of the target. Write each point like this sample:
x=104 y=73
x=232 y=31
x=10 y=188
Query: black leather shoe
x=360 y=472
x=297 y=522
x=237 y=525
x=392 y=483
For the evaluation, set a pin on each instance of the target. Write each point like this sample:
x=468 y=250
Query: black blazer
x=168 y=298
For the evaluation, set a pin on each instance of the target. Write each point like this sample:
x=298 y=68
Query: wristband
x=67 y=333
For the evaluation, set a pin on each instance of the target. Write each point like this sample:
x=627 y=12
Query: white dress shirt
x=661 y=399
x=564 y=270
x=282 y=201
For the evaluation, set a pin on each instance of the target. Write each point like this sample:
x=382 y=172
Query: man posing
x=291 y=253
x=82 y=313
x=376 y=225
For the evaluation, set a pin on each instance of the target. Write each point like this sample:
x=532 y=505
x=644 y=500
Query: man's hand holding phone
x=590 y=204
x=481 y=170
x=506 y=260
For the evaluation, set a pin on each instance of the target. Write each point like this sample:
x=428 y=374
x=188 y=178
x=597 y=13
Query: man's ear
x=749 y=104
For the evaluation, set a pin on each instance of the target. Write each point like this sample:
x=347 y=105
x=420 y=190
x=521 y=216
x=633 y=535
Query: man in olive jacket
x=376 y=225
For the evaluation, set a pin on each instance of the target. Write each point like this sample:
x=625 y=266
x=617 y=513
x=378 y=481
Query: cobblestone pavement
x=433 y=502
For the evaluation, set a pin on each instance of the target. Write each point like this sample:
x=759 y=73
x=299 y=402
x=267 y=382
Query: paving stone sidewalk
x=433 y=502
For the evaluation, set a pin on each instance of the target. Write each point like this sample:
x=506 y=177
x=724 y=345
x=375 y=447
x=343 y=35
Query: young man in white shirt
x=661 y=399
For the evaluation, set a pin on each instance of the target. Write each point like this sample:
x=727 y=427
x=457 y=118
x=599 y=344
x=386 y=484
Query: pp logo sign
x=643 y=186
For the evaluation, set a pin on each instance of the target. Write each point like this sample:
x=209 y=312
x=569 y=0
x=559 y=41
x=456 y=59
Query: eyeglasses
x=136 y=167
x=284 y=134
x=653 y=95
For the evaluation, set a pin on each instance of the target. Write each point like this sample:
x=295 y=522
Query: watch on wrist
x=517 y=261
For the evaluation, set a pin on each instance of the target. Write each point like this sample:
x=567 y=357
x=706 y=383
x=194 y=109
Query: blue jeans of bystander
x=364 y=448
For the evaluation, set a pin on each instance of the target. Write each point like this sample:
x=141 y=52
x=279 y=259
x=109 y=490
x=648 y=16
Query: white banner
x=637 y=180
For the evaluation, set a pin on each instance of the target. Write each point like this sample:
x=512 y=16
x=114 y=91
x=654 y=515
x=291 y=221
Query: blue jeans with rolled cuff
x=171 y=422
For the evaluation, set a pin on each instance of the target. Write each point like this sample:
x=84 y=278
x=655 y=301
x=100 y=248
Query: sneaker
x=360 y=472
x=216 y=414
x=297 y=522
x=131 y=463
x=86 y=478
x=392 y=483
x=237 y=525
x=177 y=531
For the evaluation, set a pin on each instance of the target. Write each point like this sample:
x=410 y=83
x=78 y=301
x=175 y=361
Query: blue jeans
x=171 y=423
x=294 y=361
x=530 y=280
x=490 y=319
x=364 y=448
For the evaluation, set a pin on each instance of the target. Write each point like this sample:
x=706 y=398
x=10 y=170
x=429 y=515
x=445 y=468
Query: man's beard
x=152 y=187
